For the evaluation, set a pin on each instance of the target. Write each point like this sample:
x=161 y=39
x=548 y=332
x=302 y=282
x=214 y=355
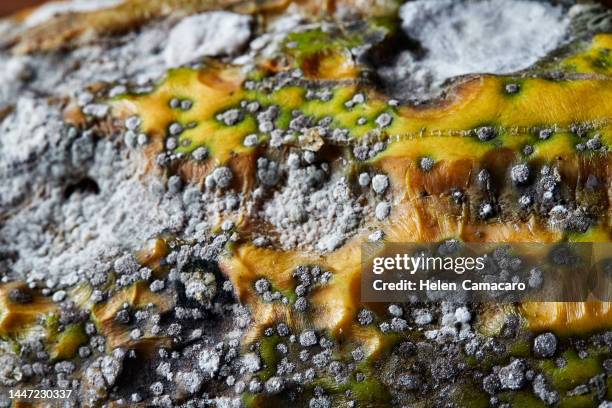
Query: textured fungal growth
x=186 y=186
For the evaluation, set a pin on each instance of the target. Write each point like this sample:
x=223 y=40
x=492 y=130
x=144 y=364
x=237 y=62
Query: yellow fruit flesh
x=568 y=318
x=443 y=132
x=415 y=132
x=137 y=296
x=16 y=317
x=335 y=305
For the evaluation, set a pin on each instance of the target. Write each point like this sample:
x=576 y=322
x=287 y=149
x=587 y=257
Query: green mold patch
x=596 y=58
x=250 y=400
x=602 y=62
x=597 y=233
x=522 y=399
x=577 y=371
x=471 y=396
x=520 y=348
x=369 y=392
x=306 y=44
x=269 y=355
x=66 y=343
x=316 y=42
x=577 y=401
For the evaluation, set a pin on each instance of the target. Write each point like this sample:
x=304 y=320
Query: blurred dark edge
x=10 y=6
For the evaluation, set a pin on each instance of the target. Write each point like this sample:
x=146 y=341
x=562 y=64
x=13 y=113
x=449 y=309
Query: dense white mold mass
x=48 y=234
x=313 y=218
x=25 y=132
x=68 y=239
x=208 y=34
x=136 y=57
x=463 y=37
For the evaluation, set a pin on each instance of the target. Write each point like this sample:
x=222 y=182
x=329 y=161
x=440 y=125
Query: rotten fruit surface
x=194 y=232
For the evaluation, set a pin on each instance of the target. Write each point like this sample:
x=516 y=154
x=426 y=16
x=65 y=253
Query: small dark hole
x=84 y=186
